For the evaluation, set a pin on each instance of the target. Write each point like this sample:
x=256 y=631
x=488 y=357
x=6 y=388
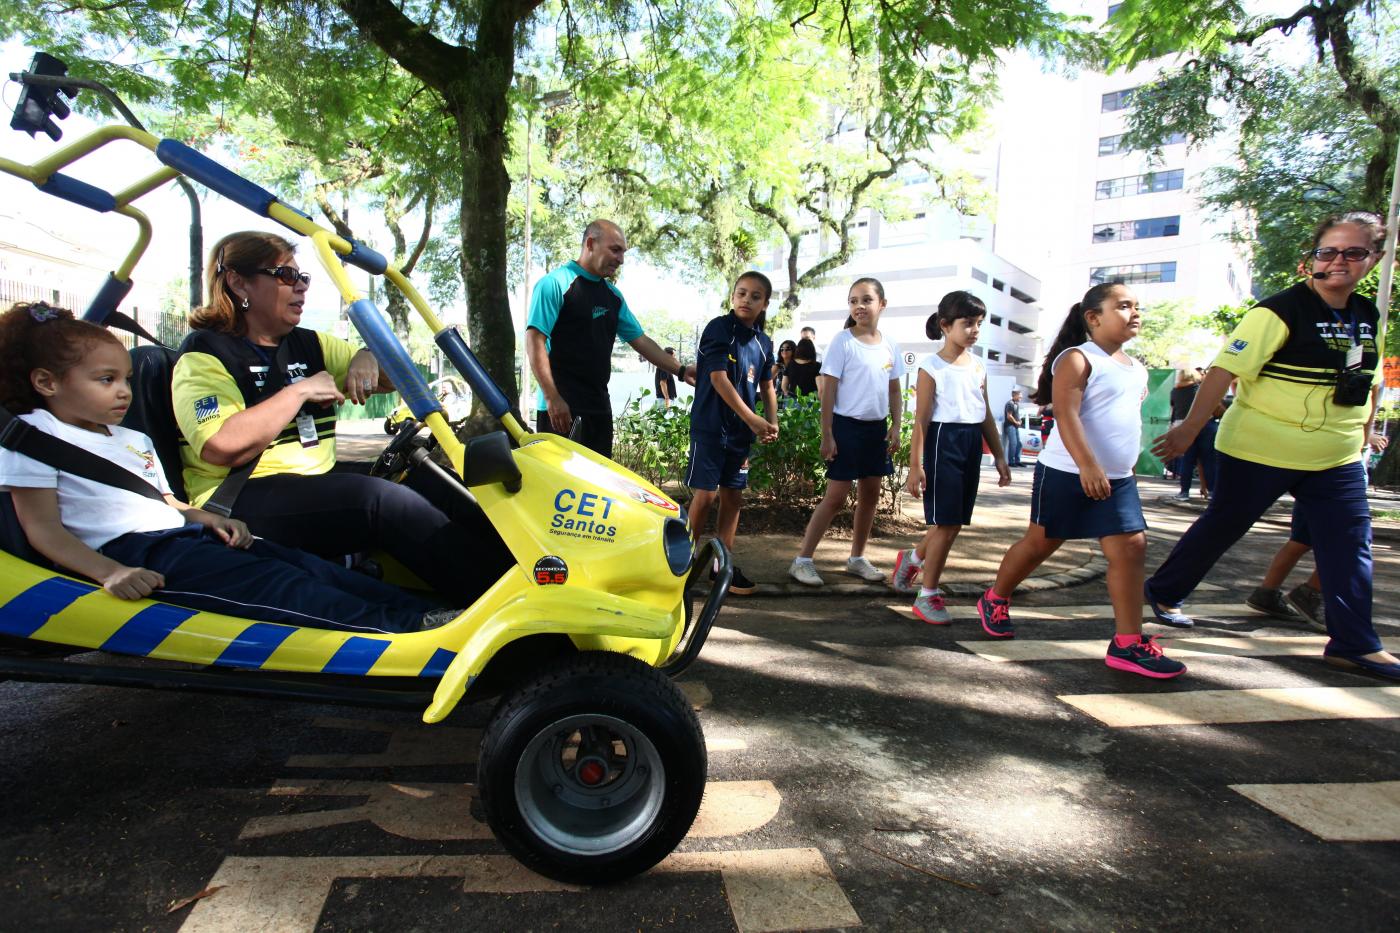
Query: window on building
x=1113 y=145
x=1130 y=185
x=999 y=285
x=995 y=320
x=1117 y=100
x=920 y=215
x=1145 y=273
x=1021 y=296
x=1137 y=229
x=994 y=355
x=1017 y=328
x=1016 y=360
x=979 y=275
x=977 y=350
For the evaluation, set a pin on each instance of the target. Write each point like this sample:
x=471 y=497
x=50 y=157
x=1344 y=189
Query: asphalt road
x=866 y=771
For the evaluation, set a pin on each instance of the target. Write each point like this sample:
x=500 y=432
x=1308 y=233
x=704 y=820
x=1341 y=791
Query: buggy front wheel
x=593 y=772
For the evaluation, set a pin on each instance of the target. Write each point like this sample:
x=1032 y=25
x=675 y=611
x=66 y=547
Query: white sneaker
x=805 y=572
x=906 y=572
x=860 y=567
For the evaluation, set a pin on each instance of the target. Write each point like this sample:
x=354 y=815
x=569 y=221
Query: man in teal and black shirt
x=576 y=315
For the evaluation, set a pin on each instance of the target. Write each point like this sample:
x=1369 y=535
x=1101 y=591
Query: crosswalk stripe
x=1334 y=812
x=1031 y=649
x=967 y=612
x=1204 y=707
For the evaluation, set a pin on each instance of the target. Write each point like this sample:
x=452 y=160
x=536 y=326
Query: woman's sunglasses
x=287 y=275
x=1350 y=254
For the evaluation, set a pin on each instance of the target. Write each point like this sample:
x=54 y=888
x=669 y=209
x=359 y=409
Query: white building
x=1077 y=208
x=918 y=261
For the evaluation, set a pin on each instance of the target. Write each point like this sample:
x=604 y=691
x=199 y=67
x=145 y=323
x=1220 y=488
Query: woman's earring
x=245 y=303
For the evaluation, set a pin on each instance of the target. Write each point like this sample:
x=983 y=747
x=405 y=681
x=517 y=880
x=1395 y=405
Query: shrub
x=655 y=443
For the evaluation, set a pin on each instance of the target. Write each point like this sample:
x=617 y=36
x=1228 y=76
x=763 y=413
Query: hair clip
x=42 y=312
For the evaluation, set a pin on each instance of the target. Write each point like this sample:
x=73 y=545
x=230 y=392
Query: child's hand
x=231 y=531
x=1095 y=483
x=892 y=438
x=759 y=426
x=914 y=485
x=828 y=448
x=132 y=582
x=1004 y=473
x=770 y=433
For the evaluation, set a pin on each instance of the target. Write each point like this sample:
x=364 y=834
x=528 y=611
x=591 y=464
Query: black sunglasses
x=1350 y=254
x=287 y=275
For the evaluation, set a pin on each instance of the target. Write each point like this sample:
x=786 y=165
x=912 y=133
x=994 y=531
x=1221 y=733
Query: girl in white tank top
x=952 y=418
x=1084 y=484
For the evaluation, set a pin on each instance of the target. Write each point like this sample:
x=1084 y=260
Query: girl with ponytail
x=1084 y=485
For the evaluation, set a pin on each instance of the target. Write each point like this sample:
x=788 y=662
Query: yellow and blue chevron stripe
x=50 y=607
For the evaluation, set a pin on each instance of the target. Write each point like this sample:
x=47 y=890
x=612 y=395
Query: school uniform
x=1111 y=415
x=719 y=438
x=862 y=406
x=265 y=582
x=953 y=441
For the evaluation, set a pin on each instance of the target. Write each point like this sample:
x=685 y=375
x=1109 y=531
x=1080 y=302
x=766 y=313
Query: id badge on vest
x=306 y=429
x=1354 y=356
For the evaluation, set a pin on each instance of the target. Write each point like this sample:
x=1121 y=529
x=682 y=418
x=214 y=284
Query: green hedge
x=655 y=443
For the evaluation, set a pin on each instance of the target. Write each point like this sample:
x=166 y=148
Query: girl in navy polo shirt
x=1084 y=485
x=734 y=364
x=861 y=373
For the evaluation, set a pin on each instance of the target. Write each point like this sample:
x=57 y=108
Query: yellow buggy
x=593 y=764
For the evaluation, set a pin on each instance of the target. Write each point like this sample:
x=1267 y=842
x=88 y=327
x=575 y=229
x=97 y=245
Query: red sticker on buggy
x=551 y=571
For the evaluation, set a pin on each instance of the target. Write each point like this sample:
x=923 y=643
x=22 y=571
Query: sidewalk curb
x=1092 y=569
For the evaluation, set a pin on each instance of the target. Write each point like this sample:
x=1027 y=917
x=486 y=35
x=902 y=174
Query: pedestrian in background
x=1012 y=421
x=1084 y=484
x=1306 y=361
x=665 y=383
x=800 y=377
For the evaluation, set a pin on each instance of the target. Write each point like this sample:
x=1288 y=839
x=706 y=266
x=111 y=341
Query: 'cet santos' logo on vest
x=206 y=408
x=599 y=311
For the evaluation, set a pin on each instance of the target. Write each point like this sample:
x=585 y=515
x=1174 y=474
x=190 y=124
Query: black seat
x=151 y=411
x=12 y=537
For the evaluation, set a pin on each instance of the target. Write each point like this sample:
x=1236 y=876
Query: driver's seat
x=152 y=412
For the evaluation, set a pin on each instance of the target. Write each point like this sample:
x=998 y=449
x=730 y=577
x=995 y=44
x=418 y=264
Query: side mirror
x=489 y=460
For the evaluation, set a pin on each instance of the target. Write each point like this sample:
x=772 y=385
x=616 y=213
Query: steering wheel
x=393 y=458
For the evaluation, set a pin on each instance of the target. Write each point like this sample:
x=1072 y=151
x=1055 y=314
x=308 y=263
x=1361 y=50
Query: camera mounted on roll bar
x=41 y=102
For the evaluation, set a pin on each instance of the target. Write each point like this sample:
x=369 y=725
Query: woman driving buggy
x=251 y=383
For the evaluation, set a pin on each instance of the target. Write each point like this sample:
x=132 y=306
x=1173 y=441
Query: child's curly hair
x=36 y=335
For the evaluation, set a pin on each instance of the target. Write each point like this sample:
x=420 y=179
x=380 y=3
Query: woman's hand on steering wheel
x=362 y=378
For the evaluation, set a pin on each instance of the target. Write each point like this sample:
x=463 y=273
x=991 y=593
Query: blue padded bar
x=365 y=258
x=214 y=176
x=393 y=358
x=111 y=294
x=79 y=192
x=455 y=349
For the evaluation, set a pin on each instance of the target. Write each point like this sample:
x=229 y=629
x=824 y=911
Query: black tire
x=538 y=800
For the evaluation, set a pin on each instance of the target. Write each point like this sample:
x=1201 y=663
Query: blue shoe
x=1380 y=669
x=1172 y=615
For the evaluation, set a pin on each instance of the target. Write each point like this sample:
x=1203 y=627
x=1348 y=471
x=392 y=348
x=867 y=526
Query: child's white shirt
x=864 y=371
x=1111 y=413
x=957 y=390
x=93 y=512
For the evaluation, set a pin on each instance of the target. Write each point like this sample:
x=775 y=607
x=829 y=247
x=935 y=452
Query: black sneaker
x=1307 y=602
x=740 y=585
x=1270 y=600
